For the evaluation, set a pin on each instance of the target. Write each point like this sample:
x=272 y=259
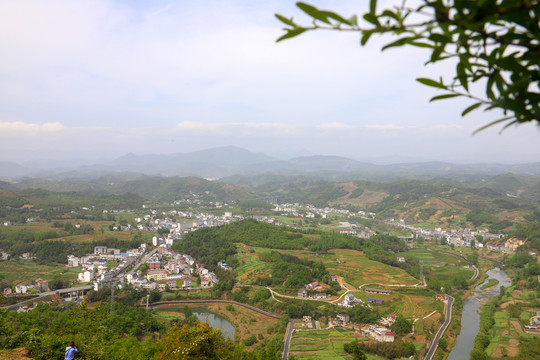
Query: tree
x=494 y=43
x=402 y=326
x=443 y=343
x=197 y=342
x=355 y=350
x=155 y=296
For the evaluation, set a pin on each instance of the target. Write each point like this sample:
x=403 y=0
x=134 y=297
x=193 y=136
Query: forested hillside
x=165 y=189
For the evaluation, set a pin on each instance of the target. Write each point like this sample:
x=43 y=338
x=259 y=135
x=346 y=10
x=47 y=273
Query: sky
x=92 y=80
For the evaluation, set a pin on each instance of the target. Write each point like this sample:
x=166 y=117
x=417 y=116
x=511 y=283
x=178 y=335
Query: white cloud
x=192 y=125
x=334 y=125
x=389 y=127
x=227 y=128
x=23 y=127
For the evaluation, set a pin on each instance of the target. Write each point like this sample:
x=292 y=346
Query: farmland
x=430 y=256
x=323 y=344
x=358 y=269
x=23 y=271
x=411 y=303
x=250 y=265
x=508 y=334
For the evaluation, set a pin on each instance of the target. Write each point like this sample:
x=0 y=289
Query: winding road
x=442 y=329
x=287 y=341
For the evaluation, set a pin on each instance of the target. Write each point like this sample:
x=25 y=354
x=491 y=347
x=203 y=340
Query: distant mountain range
x=228 y=161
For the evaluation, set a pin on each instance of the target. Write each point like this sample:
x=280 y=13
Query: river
x=470 y=317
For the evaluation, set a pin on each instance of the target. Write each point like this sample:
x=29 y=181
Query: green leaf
x=445 y=96
x=286 y=21
x=462 y=76
x=438 y=38
x=421 y=44
x=436 y=54
x=390 y=14
x=399 y=42
x=337 y=17
x=493 y=123
x=354 y=20
x=313 y=12
x=291 y=33
x=365 y=37
x=372 y=6
x=432 y=83
x=371 y=19
x=470 y=108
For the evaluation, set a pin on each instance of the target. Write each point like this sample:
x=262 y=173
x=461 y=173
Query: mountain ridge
x=220 y=162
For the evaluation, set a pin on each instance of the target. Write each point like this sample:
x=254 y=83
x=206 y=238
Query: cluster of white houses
x=161 y=276
x=38 y=285
x=380 y=333
x=377 y=332
x=165 y=268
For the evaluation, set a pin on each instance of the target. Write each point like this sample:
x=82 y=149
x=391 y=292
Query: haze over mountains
x=227 y=161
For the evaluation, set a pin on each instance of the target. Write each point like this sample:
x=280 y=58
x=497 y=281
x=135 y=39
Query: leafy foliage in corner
x=47 y=330
x=494 y=43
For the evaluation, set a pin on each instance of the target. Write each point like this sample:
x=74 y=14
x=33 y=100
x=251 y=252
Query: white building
x=86 y=276
x=73 y=261
x=21 y=289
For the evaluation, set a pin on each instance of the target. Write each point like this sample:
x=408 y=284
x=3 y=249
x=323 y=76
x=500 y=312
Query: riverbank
x=470 y=318
x=490 y=283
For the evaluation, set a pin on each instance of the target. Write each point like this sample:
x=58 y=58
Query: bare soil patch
x=505 y=304
x=516 y=325
x=15 y=354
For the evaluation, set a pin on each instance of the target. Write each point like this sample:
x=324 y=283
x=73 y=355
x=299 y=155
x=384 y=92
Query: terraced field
x=24 y=271
x=430 y=256
x=250 y=265
x=411 y=303
x=358 y=269
x=326 y=344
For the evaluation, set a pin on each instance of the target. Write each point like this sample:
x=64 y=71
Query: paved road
x=442 y=329
x=142 y=261
x=287 y=342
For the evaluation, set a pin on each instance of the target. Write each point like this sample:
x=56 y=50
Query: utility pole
x=147 y=297
x=112 y=298
x=422 y=280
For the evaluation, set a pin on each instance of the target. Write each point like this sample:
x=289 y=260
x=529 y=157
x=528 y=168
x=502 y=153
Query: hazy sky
x=100 y=78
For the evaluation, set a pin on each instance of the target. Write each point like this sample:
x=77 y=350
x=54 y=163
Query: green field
x=409 y=302
x=26 y=271
x=430 y=256
x=448 y=272
x=507 y=332
x=356 y=268
x=324 y=344
x=249 y=264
